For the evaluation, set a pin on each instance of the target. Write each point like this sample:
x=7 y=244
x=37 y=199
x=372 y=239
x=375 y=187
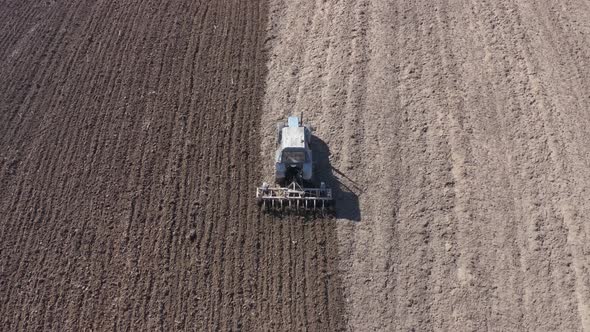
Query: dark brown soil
x=129 y=154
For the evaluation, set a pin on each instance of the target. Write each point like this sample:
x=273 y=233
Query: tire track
x=561 y=39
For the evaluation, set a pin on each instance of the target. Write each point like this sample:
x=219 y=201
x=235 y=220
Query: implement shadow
x=344 y=189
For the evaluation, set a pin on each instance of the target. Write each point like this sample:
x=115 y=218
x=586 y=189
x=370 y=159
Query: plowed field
x=455 y=135
x=129 y=141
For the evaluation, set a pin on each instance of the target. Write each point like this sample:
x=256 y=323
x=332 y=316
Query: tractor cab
x=293 y=159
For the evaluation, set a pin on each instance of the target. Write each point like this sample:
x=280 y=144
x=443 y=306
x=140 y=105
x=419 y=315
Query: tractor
x=295 y=187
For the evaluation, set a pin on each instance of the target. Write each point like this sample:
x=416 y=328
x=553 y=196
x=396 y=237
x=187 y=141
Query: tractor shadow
x=344 y=189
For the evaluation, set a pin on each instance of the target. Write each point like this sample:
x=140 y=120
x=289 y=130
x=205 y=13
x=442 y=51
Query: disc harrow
x=295 y=198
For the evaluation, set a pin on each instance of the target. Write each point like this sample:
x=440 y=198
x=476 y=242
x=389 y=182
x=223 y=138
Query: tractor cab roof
x=293 y=137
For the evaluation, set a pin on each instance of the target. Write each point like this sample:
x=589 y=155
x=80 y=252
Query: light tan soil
x=459 y=135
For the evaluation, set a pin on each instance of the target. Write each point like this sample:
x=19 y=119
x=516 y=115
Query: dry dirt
x=459 y=136
x=455 y=135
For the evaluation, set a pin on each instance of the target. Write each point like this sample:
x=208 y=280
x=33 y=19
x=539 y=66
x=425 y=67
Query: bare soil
x=129 y=156
x=459 y=140
x=455 y=134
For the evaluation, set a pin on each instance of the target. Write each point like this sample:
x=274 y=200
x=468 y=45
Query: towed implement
x=294 y=188
x=294 y=197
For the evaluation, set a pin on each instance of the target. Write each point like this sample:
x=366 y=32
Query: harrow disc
x=295 y=198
